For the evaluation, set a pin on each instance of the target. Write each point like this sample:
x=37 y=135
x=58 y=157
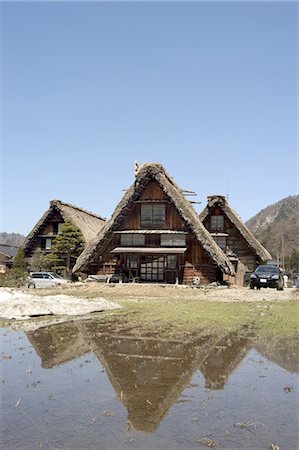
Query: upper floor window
x=221 y=241
x=152 y=215
x=57 y=227
x=217 y=223
x=132 y=239
x=46 y=244
x=173 y=240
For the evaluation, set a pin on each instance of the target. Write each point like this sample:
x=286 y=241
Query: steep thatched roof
x=146 y=173
x=220 y=200
x=87 y=222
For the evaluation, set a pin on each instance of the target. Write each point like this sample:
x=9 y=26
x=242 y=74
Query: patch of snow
x=15 y=304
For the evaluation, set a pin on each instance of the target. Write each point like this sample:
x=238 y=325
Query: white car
x=40 y=280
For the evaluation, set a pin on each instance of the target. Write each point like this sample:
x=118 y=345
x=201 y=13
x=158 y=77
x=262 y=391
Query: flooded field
x=79 y=385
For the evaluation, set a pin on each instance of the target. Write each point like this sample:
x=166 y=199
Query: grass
x=180 y=318
x=173 y=312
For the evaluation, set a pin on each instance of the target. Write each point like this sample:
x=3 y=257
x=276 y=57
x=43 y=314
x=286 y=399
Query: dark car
x=267 y=276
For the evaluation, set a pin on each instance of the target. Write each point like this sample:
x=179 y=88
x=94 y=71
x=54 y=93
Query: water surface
x=80 y=385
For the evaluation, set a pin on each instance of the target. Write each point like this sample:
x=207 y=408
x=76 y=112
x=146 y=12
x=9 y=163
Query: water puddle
x=80 y=385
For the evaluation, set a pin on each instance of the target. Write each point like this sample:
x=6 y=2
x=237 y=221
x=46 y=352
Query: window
x=152 y=216
x=132 y=266
x=173 y=240
x=132 y=262
x=57 y=227
x=48 y=244
x=152 y=268
x=171 y=261
x=221 y=241
x=217 y=223
x=132 y=239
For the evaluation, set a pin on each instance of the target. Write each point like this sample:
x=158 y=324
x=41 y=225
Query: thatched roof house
x=232 y=235
x=7 y=254
x=48 y=226
x=153 y=221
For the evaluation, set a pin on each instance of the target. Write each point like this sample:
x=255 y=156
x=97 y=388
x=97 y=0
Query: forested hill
x=13 y=239
x=277 y=226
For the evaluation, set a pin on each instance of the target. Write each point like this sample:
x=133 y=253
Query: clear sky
x=207 y=89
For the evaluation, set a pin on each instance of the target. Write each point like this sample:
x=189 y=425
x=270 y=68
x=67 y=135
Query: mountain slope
x=13 y=239
x=278 y=225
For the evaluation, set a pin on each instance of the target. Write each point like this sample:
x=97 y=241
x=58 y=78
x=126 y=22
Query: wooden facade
x=153 y=237
x=46 y=234
x=233 y=237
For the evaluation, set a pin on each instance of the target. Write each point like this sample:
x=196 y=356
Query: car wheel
x=251 y=286
x=31 y=286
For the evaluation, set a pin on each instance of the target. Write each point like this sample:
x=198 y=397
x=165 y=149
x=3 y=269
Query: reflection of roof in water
x=283 y=352
x=224 y=359
x=57 y=344
x=149 y=374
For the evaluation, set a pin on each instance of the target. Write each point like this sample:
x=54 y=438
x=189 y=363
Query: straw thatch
x=89 y=223
x=254 y=244
x=146 y=173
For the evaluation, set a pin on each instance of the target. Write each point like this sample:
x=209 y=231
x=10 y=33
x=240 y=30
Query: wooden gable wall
x=45 y=230
x=236 y=243
x=153 y=192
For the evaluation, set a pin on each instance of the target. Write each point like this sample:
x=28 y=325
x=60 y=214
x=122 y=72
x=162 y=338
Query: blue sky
x=207 y=89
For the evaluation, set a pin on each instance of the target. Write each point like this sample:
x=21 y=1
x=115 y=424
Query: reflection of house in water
x=148 y=374
x=224 y=359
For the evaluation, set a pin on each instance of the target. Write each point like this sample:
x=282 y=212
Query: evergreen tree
x=66 y=247
x=18 y=272
x=39 y=261
x=19 y=263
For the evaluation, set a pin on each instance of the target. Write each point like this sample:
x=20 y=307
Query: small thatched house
x=7 y=254
x=48 y=227
x=155 y=234
x=231 y=234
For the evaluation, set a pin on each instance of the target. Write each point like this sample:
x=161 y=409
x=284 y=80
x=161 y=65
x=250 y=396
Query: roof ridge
x=55 y=202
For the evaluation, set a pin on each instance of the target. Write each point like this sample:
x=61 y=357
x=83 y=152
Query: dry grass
x=173 y=311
